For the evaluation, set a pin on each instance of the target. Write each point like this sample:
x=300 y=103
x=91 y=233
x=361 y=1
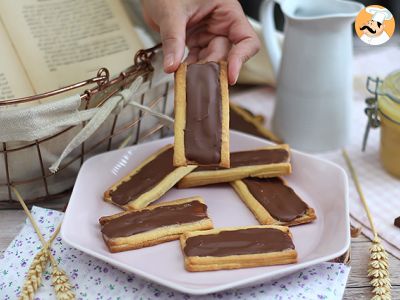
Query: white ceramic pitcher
x=313 y=71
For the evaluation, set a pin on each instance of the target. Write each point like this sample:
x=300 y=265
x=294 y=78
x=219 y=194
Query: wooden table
x=357 y=285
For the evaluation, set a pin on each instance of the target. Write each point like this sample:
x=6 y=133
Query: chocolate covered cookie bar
x=272 y=201
x=244 y=121
x=147 y=182
x=201 y=115
x=154 y=224
x=237 y=247
x=269 y=161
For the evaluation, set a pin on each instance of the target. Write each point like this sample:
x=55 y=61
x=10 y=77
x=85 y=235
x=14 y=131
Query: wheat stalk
x=378 y=266
x=61 y=284
x=34 y=275
x=378 y=271
x=60 y=280
x=36 y=269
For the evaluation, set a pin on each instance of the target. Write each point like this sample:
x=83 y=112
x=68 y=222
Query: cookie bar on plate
x=272 y=201
x=237 y=247
x=147 y=182
x=154 y=224
x=263 y=162
x=244 y=121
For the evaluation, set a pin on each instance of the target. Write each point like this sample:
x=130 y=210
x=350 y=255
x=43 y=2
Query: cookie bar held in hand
x=201 y=115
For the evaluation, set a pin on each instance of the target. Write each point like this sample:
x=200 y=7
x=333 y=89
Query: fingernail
x=235 y=80
x=168 y=61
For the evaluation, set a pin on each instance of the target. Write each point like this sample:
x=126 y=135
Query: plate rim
x=236 y=284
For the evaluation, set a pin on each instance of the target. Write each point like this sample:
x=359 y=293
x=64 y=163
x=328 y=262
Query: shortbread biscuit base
x=157 y=191
x=257 y=122
x=213 y=263
x=156 y=236
x=180 y=117
x=261 y=214
x=225 y=152
x=201 y=178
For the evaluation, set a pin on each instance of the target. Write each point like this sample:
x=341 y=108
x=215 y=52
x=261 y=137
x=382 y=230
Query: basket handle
x=123 y=98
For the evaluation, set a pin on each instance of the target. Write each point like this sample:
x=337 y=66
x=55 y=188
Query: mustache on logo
x=368 y=28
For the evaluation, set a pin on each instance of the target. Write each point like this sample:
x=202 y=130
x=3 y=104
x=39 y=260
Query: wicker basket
x=25 y=164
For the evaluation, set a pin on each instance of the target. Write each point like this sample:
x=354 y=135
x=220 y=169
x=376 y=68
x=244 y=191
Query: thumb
x=173 y=36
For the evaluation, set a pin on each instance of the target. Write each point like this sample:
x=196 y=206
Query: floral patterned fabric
x=94 y=279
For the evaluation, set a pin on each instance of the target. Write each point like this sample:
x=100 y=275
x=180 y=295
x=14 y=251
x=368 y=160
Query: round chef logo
x=375 y=25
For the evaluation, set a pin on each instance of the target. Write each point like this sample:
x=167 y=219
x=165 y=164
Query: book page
x=61 y=42
x=13 y=80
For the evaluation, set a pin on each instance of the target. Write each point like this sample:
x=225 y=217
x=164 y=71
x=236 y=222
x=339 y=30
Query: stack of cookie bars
x=200 y=156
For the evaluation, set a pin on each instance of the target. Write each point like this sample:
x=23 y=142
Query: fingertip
x=170 y=63
x=173 y=49
x=238 y=55
x=233 y=71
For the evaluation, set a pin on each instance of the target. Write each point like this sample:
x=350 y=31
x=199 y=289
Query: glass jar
x=389 y=115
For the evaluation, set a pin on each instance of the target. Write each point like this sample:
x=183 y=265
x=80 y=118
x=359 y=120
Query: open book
x=48 y=44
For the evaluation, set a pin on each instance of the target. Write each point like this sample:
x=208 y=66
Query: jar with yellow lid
x=387 y=94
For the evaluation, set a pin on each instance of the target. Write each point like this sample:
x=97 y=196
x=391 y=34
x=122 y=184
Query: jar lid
x=389 y=96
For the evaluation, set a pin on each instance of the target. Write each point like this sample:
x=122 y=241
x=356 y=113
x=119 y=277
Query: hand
x=213 y=30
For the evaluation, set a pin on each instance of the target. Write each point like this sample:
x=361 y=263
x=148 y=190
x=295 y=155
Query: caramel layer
x=203 y=127
x=239 y=242
x=143 y=181
x=278 y=199
x=252 y=158
x=136 y=222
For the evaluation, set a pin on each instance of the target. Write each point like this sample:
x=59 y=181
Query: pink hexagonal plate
x=322 y=184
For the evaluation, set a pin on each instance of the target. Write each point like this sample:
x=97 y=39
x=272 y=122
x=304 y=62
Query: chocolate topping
x=250 y=113
x=238 y=242
x=237 y=122
x=278 y=199
x=397 y=222
x=143 y=181
x=136 y=222
x=203 y=127
x=252 y=158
